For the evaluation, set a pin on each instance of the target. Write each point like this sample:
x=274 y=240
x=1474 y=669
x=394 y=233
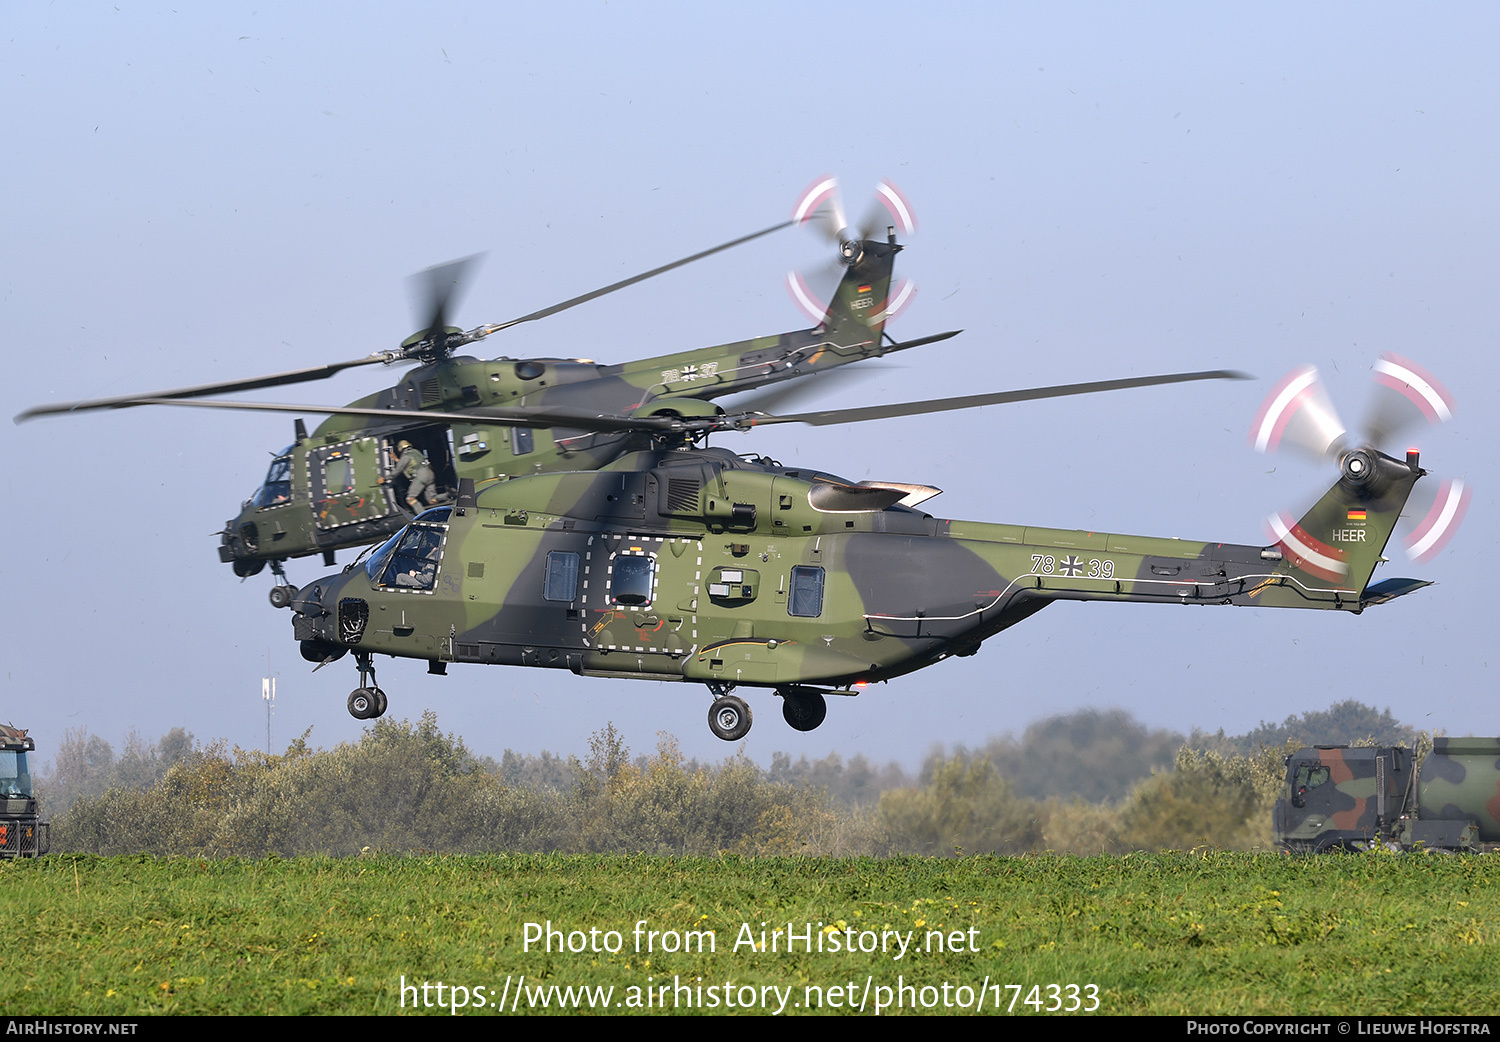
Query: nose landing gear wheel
x=367 y=703
x=804 y=710
x=729 y=718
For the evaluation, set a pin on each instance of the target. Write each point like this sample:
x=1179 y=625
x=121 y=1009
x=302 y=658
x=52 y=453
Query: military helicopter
x=699 y=565
x=690 y=563
x=350 y=484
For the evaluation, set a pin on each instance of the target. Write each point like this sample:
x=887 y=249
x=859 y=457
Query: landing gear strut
x=283 y=593
x=729 y=717
x=367 y=701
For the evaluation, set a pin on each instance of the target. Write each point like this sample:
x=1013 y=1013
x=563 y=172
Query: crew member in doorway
x=413 y=464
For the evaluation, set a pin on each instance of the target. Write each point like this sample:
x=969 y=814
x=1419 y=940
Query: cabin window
x=630 y=580
x=806 y=599
x=338 y=475
x=562 y=576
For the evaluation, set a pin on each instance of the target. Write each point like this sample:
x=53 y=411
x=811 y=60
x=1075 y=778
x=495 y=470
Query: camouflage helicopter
x=695 y=564
x=355 y=479
x=698 y=565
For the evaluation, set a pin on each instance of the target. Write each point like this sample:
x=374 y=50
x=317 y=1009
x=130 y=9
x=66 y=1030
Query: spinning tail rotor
x=860 y=271
x=1299 y=414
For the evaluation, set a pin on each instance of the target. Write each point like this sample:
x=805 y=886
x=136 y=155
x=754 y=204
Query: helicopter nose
x=315 y=622
x=315 y=605
x=309 y=602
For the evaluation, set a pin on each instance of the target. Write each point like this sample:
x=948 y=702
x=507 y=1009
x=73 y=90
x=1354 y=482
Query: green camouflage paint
x=698 y=565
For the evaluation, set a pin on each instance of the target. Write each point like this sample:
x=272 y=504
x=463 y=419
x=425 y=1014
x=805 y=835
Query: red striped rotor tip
x=813 y=198
x=1419 y=386
x=1441 y=524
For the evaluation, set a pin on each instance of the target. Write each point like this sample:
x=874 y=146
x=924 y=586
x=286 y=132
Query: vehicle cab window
x=15 y=775
x=1308 y=778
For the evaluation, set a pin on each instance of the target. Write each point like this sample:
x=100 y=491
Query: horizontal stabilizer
x=1390 y=590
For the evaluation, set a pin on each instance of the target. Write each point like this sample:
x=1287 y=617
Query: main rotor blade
x=606 y=423
x=292 y=376
x=973 y=401
x=440 y=284
x=790 y=394
x=434 y=291
x=485 y=417
x=575 y=301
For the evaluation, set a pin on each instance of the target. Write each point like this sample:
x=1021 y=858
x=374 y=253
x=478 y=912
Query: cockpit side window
x=409 y=560
x=277 y=488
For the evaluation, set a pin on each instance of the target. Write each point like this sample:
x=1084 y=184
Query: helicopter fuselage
x=697 y=565
x=338 y=487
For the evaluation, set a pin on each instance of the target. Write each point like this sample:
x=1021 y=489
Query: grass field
x=1173 y=934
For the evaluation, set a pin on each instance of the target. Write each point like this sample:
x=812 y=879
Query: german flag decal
x=1357 y=514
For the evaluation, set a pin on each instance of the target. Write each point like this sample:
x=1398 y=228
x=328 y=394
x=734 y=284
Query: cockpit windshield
x=409 y=559
x=277 y=488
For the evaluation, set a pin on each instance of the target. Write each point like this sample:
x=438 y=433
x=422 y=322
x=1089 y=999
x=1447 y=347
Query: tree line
x=1088 y=782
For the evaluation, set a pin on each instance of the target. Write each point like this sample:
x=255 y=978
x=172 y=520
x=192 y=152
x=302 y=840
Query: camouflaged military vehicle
x=1353 y=798
x=22 y=832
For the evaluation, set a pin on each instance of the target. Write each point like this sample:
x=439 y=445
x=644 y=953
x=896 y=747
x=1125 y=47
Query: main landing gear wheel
x=367 y=703
x=283 y=593
x=729 y=718
x=804 y=710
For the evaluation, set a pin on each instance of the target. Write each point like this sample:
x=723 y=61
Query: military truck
x=22 y=832
x=1340 y=797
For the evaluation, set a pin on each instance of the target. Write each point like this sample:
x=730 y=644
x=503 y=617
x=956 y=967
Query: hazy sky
x=221 y=190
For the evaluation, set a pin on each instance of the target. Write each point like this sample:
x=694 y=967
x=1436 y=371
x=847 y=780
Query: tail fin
x=1338 y=543
x=866 y=298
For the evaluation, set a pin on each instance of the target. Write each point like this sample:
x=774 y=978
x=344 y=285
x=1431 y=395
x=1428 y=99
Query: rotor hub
x=1358 y=467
